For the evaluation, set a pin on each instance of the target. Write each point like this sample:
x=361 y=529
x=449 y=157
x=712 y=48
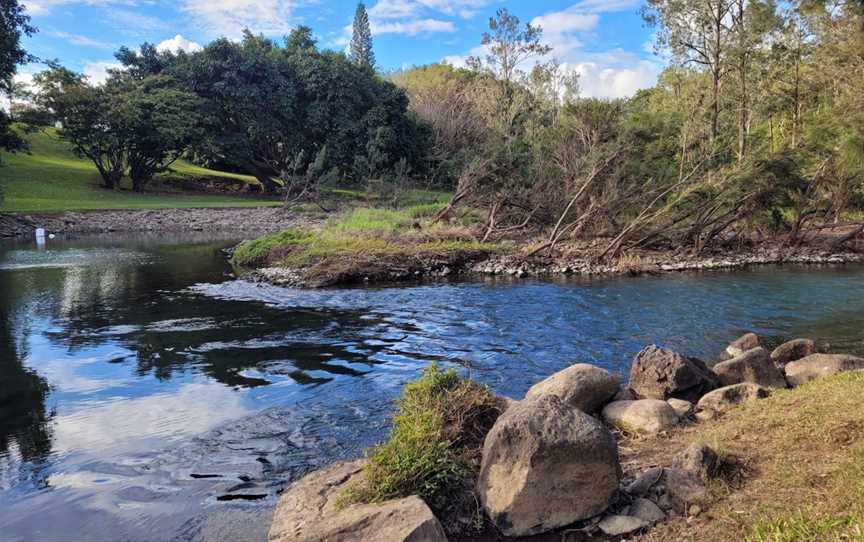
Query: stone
x=647 y=511
x=754 y=366
x=699 y=461
x=815 y=365
x=746 y=342
x=616 y=525
x=582 y=386
x=647 y=416
x=792 y=351
x=683 y=490
x=681 y=407
x=722 y=399
x=546 y=465
x=658 y=373
x=307 y=512
x=624 y=394
x=645 y=481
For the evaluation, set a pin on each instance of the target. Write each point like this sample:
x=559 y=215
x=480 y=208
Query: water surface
x=145 y=394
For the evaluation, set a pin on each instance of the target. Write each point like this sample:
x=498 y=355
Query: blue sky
x=606 y=41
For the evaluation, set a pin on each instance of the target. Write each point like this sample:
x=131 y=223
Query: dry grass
x=803 y=456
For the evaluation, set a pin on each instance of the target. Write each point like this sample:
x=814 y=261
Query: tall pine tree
x=361 y=40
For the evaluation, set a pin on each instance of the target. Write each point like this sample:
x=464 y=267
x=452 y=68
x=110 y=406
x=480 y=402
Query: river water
x=145 y=394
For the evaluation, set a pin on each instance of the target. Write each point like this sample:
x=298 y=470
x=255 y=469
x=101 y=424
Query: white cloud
x=562 y=21
x=231 y=17
x=84 y=41
x=393 y=9
x=97 y=72
x=617 y=81
x=178 y=43
x=412 y=28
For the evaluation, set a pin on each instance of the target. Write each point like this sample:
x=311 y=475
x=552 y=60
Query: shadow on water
x=147 y=394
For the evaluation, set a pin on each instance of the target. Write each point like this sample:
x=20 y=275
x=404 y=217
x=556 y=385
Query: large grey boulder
x=582 y=386
x=745 y=342
x=699 y=461
x=722 y=399
x=681 y=407
x=792 y=351
x=646 y=416
x=683 y=489
x=816 y=365
x=307 y=512
x=754 y=366
x=546 y=465
x=658 y=373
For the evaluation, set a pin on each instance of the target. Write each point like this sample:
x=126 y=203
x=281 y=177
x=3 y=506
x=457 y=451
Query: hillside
x=51 y=178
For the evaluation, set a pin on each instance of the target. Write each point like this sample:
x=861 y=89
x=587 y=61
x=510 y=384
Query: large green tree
x=361 y=39
x=14 y=24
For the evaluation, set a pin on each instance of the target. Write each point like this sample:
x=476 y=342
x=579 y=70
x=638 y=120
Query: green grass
x=439 y=417
x=51 y=178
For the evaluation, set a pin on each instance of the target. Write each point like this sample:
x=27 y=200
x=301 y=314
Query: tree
x=361 y=39
x=14 y=23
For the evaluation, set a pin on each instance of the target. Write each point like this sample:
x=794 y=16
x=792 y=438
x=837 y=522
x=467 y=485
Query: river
x=146 y=394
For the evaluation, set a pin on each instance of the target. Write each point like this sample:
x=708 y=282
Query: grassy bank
x=51 y=178
x=370 y=243
x=802 y=452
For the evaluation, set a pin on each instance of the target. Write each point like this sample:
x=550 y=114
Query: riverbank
x=252 y=220
x=762 y=446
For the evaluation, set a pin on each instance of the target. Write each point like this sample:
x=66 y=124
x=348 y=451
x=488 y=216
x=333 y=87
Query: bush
x=436 y=437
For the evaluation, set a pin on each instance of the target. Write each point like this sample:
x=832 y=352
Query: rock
x=725 y=398
x=645 y=481
x=624 y=394
x=582 y=386
x=616 y=525
x=746 y=342
x=792 y=351
x=647 y=511
x=815 y=365
x=657 y=373
x=546 y=465
x=648 y=416
x=683 y=490
x=307 y=512
x=752 y=366
x=681 y=407
x=699 y=461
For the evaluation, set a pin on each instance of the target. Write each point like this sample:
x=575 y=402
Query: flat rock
x=647 y=511
x=307 y=512
x=616 y=525
x=816 y=365
x=722 y=399
x=546 y=465
x=658 y=373
x=647 y=416
x=582 y=386
x=645 y=481
x=793 y=350
x=745 y=342
x=754 y=366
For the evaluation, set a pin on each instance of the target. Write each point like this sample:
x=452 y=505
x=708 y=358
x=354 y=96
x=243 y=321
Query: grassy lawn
x=51 y=178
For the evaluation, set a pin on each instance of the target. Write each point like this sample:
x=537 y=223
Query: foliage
x=14 y=23
x=439 y=417
x=361 y=39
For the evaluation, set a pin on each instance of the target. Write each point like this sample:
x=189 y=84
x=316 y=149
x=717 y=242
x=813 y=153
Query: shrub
x=436 y=436
x=256 y=251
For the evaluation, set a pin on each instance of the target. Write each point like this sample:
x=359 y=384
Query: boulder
x=745 y=342
x=699 y=461
x=681 y=407
x=683 y=490
x=616 y=525
x=658 y=373
x=649 y=416
x=582 y=386
x=723 y=399
x=546 y=465
x=815 y=365
x=754 y=366
x=647 y=511
x=792 y=351
x=307 y=512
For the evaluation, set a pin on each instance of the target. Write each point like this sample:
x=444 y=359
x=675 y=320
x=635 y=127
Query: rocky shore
x=254 y=220
x=552 y=463
x=518 y=267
